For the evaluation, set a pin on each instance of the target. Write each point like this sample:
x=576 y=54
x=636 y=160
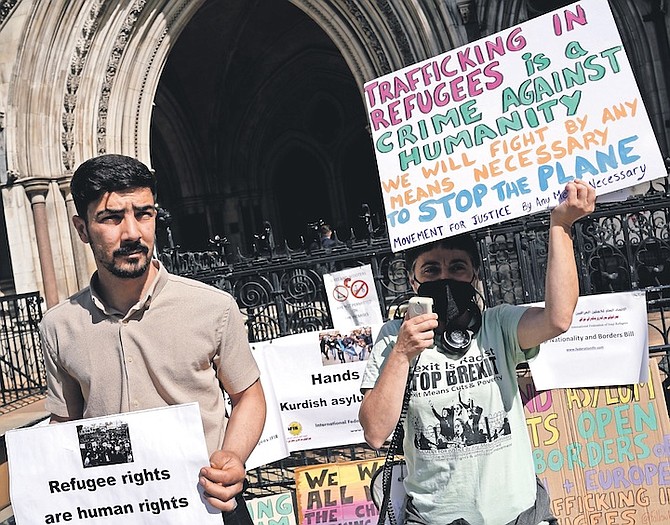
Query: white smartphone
x=419 y=305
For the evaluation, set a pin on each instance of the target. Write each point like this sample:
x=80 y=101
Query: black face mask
x=455 y=303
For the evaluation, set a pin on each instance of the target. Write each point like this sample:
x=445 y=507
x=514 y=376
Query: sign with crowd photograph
x=603 y=453
x=495 y=129
x=116 y=469
x=316 y=378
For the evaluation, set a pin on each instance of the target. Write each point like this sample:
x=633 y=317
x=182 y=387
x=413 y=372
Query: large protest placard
x=317 y=378
x=603 y=453
x=494 y=130
x=135 y=468
x=607 y=344
x=337 y=493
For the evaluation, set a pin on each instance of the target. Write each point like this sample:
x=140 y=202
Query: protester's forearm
x=225 y=477
x=561 y=292
x=381 y=406
x=562 y=283
x=246 y=422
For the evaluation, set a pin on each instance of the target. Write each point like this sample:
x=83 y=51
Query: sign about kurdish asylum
x=495 y=129
x=316 y=378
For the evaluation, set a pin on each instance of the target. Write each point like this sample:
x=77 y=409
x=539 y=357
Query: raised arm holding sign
x=516 y=123
x=464 y=427
x=494 y=130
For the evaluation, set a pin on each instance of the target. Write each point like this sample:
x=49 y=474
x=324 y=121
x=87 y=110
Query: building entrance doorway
x=258 y=119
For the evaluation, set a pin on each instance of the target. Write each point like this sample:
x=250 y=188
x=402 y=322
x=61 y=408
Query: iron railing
x=622 y=246
x=22 y=372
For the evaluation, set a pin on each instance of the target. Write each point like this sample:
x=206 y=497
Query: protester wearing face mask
x=472 y=465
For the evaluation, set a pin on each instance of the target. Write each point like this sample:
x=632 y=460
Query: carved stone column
x=37 y=190
x=468 y=11
x=78 y=247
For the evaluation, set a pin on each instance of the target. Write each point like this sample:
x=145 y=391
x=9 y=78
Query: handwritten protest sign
x=494 y=130
x=337 y=493
x=135 y=468
x=604 y=452
x=272 y=510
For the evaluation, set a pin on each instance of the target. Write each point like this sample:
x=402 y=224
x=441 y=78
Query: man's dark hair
x=463 y=242
x=108 y=173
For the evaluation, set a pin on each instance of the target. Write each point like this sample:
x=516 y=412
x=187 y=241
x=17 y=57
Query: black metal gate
x=623 y=246
x=21 y=369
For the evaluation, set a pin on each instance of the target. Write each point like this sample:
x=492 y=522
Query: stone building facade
x=249 y=111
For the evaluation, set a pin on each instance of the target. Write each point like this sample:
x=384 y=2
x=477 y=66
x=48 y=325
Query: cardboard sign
x=494 y=130
x=603 y=453
x=134 y=468
x=337 y=493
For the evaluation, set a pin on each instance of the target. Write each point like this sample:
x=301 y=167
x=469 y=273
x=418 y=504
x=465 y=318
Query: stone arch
x=90 y=80
x=104 y=62
x=91 y=88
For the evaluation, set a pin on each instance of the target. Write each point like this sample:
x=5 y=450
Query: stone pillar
x=468 y=11
x=37 y=190
x=78 y=247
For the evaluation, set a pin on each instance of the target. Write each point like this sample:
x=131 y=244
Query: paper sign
x=134 y=468
x=272 y=443
x=318 y=395
x=352 y=297
x=606 y=345
x=495 y=129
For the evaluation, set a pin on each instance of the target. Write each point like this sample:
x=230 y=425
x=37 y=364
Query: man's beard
x=130 y=271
